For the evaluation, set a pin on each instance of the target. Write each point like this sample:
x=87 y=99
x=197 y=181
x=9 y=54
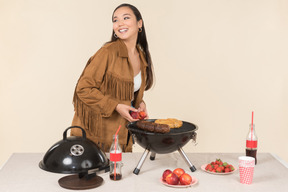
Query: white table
x=21 y=173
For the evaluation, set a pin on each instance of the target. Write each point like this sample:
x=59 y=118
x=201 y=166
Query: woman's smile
x=123 y=30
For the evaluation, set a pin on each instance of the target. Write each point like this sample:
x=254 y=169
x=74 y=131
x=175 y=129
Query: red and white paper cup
x=246 y=169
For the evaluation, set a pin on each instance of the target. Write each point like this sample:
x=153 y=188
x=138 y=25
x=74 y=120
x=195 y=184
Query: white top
x=137 y=82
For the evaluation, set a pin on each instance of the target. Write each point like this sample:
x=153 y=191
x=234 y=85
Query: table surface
x=21 y=173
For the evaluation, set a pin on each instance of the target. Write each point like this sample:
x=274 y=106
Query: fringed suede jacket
x=106 y=81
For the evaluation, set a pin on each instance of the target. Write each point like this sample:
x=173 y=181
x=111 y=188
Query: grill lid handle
x=65 y=132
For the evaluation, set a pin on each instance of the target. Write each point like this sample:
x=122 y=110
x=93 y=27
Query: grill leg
x=182 y=153
x=141 y=161
x=152 y=156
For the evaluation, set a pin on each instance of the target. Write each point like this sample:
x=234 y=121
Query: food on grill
x=159 y=128
x=146 y=125
x=171 y=122
x=153 y=127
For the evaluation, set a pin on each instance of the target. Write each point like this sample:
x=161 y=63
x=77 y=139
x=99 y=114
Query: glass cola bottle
x=252 y=143
x=115 y=160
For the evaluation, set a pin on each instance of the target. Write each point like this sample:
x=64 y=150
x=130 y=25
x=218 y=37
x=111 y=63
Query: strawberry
x=226 y=170
x=222 y=167
x=225 y=164
x=219 y=162
x=211 y=168
x=208 y=166
x=218 y=170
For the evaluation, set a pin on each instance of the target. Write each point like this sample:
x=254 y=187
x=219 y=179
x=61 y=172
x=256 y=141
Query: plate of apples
x=178 y=178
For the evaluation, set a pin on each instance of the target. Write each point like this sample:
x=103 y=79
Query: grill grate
x=186 y=128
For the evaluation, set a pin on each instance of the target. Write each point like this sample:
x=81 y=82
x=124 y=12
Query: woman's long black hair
x=142 y=41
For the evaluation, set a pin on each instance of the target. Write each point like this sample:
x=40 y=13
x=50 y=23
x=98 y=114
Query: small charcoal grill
x=78 y=156
x=163 y=143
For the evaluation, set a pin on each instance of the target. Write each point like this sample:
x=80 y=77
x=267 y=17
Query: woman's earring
x=140 y=30
x=115 y=35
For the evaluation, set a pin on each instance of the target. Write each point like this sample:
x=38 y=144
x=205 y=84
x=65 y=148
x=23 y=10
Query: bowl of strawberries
x=218 y=167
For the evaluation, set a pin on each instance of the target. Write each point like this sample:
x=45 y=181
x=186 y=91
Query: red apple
x=135 y=115
x=138 y=115
x=142 y=115
x=179 y=171
x=185 y=179
x=165 y=173
x=172 y=179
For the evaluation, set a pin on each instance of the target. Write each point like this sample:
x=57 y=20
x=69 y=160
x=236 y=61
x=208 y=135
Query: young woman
x=113 y=82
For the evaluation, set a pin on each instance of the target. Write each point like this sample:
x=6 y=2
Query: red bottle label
x=251 y=144
x=115 y=156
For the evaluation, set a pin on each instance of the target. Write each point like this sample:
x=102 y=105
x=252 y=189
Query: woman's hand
x=124 y=111
x=142 y=107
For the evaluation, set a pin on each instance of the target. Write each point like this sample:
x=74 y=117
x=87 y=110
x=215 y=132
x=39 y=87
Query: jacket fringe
x=90 y=120
x=118 y=88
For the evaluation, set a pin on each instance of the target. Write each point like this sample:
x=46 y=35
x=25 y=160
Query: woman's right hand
x=124 y=111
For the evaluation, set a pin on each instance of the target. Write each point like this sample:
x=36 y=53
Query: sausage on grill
x=153 y=127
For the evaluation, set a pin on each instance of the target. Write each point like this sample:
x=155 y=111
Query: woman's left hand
x=142 y=107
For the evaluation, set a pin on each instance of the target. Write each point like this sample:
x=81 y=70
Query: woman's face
x=125 y=24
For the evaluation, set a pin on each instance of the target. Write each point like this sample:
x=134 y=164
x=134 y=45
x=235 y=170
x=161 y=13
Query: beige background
x=215 y=62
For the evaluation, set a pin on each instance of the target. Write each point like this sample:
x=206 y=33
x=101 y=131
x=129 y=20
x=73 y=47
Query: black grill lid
x=74 y=155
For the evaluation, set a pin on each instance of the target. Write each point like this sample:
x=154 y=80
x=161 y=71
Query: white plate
x=194 y=181
x=227 y=173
